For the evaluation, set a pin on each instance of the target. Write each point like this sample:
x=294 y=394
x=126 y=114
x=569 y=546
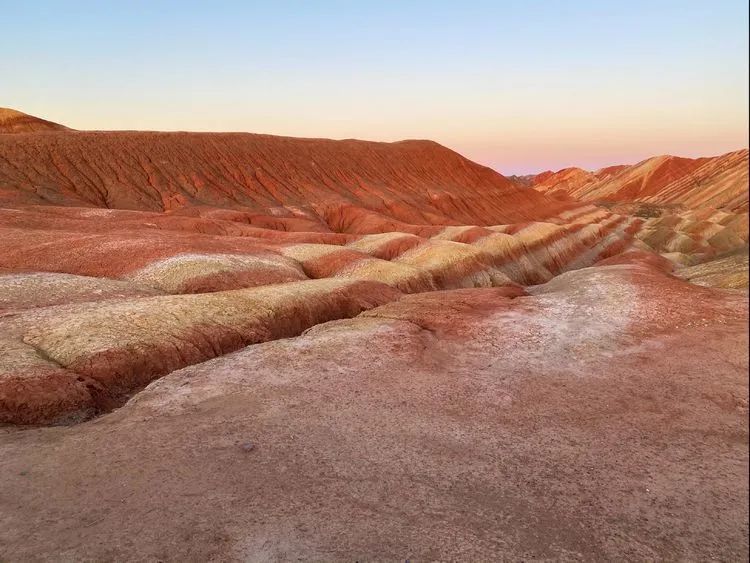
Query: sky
x=520 y=86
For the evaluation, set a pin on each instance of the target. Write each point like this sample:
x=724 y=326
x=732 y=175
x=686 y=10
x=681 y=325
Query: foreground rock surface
x=602 y=415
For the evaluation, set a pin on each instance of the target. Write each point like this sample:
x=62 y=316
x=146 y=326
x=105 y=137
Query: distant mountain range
x=719 y=182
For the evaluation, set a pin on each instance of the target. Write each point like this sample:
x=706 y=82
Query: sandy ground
x=604 y=416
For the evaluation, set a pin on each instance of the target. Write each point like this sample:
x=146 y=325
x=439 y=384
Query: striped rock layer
x=301 y=349
x=130 y=255
x=718 y=182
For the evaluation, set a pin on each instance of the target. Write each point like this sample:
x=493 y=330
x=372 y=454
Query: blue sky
x=520 y=86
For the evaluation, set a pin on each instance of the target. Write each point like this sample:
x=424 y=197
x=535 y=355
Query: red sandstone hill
x=718 y=182
x=12 y=121
x=335 y=182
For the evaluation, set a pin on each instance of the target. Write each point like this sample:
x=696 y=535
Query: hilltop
x=719 y=182
x=13 y=121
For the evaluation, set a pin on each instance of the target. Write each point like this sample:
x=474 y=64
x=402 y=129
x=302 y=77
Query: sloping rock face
x=692 y=210
x=237 y=347
x=717 y=182
x=96 y=306
x=12 y=121
x=729 y=270
x=319 y=181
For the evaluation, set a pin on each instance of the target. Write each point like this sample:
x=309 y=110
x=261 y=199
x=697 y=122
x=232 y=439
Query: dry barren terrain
x=247 y=347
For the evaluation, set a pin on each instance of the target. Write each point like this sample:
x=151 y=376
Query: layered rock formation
x=602 y=416
x=119 y=272
x=97 y=302
x=301 y=182
x=718 y=182
x=694 y=210
x=337 y=350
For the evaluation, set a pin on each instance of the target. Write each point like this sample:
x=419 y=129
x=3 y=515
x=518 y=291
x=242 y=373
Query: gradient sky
x=520 y=86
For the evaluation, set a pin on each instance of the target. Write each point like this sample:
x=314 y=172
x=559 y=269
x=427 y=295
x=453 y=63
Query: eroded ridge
x=95 y=303
x=343 y=185
x=94 y=325
x=607 y=404
x=129 y=255
x=718 y=182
